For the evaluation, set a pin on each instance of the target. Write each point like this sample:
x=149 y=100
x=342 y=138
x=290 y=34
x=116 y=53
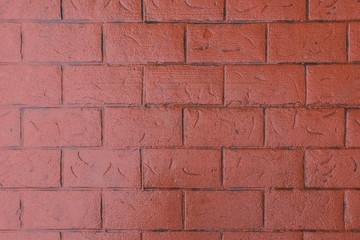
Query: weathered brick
x=10 y=42
x=331 y=236
x=29 y=236
x=354 y=42
x=101 y=236
x=9 y=127
x=352 y=209
x=334 y=10
x=353 y=128
x=181 y=236
x=262 y=236
x=10 y=208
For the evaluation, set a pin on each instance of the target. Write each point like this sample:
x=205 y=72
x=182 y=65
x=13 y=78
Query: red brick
x=352 y=209
x=9 y=127
x=115 y=10
x=353 y=128
x=181 y=236
x=184 y=84
x=101 y=236
x=57 y=42
x=332 y=168
x=143 y=210
x=354 y=42
x=143 y=126
x=29 y=236
x=266 y=10
x=10 y=42
x=30 y=85
x=323 y=42
x=54 y=127
x=331 y=236
x=334 y=10
x=224 y=127
x=305 y=127
x=195 y=10
x=333 y=84
x=262 y=236
x=226 y=43
x=144 y=43
x=30 y=168
x=61 y=209
x=30 y=10
x=9 y=210
x=263 y=168
x=224 y=210
x=183 y=168
x=101 y=168
x=265 y=84
x=322 y=210
x=102 y=85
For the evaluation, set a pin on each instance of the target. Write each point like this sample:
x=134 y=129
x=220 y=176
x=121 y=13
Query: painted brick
x=10 y=42
x=353 y=128
x=102 y=85
x=182 y=168
x=354 y=42
x=30 y=236
x=321 y=210
x=334 y=10
x=56 y=42
x=140 y=43
x=9 y=210
x=352 y=209
x=266 y=10
x=208 y=210
x=102 y=168
x=265 y=84
x=9 y=127
x=305 y=127
x=263 y=168
x=143 y=126
x=224 y=127
x=181 y=236
x=184 y=84
x=143 y=210
x=226 y=43
x=262 y=236
x=54 y=127
x=331 y=236
x=101 y=236
x=323 y=42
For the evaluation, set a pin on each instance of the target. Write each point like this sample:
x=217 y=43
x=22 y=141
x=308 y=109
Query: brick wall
x=182 y=119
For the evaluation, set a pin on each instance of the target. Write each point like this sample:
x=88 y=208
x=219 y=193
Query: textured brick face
x=179 y=119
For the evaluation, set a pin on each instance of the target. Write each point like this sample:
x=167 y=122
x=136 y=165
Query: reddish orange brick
x=265 y=84
x=263 y=168
x=352 y=209
x=181 y=236
x=56 y=42
x=323 y=42
x=195 y=10
x=30 y=85
x=182 y=168
x=9 y=210
x=30 y=10
x=354 y=42
x=269 y=10
x=62 y=127
x=333 y=84
x=61 y=209
x=321 y=210
x=305 y=127
x=332 y=168
x=224 y=127
x=115 y=10
x=29 y=235
x=224 y=209
x=143 y=126
x=331 y=236
x=10 y=42
x=262 y=236
x=102 y=168
x=101 y=236
x=143 y=210
x=353 y=128
x=30 y=168
x=102 y=85
x=184 y=84
x=226 y=43
x=144 y=43
x=330 y=10
x=9 y=127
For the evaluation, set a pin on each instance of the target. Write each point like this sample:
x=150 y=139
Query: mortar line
x=143 y=11
x=143 y=96
x=184 y=209
x=21 y=127
x=103 y=50
x=61 y=168
x=102 y=116
x=225 y=10
x=141 y=169
x=224 y=86
x=61 y=10
x=222 y=167
x=62 y=84
x=346 y=127
x=21 y=43
x=267 y=43
x=186 y=43
x=348 y=42
x=183 y=127
x=306 y=85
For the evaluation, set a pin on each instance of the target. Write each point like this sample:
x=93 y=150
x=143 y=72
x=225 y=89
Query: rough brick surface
x=270 y=10
x=323 y=42
x=304 y=210
x=207 y=210
x=179 y=119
